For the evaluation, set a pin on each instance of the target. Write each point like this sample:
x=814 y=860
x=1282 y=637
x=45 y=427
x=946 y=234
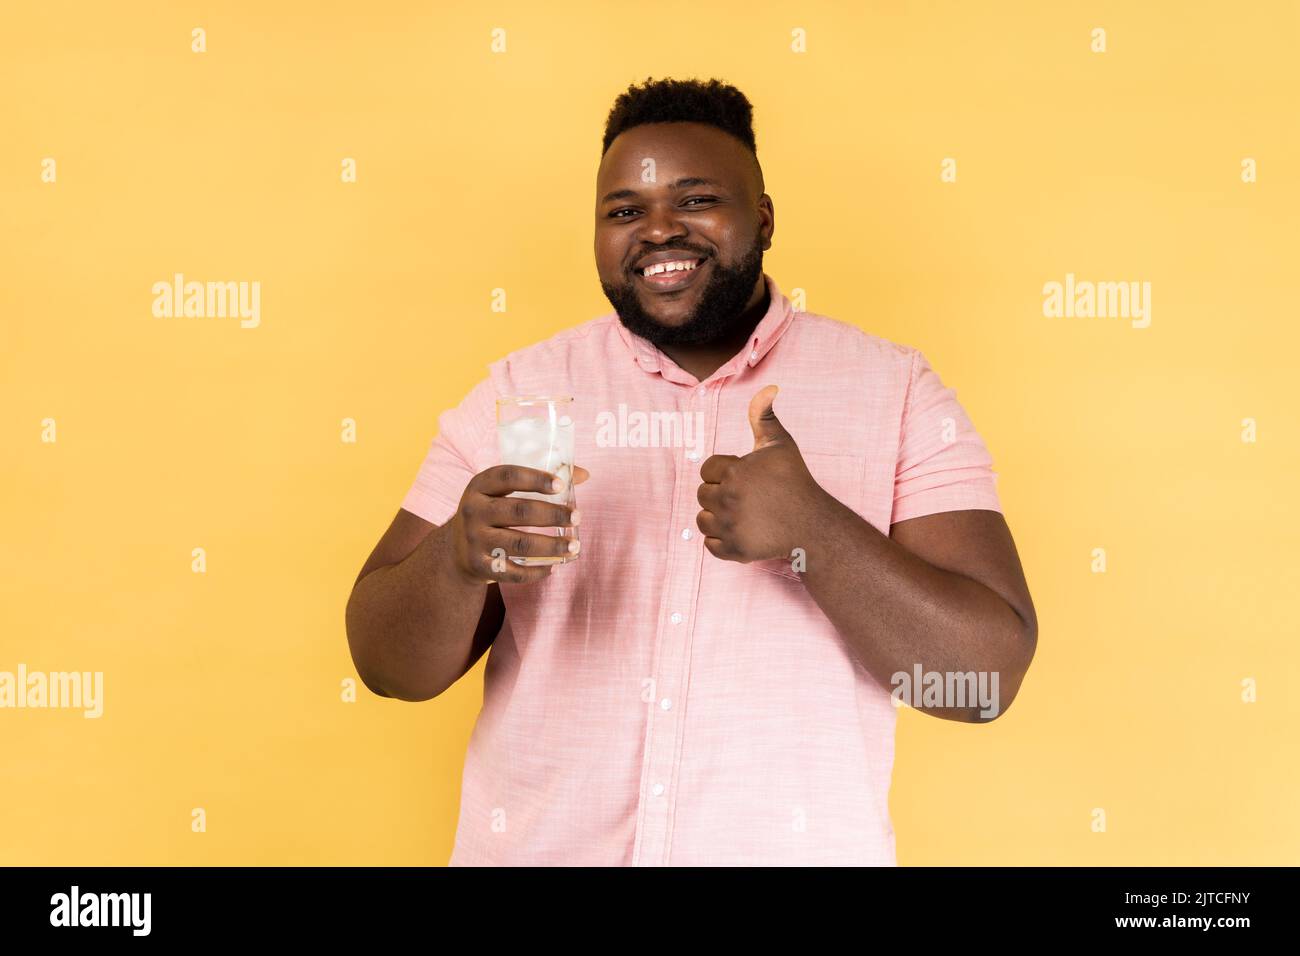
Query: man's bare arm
x=427 y=604
x=414 y=625
x=945 y=591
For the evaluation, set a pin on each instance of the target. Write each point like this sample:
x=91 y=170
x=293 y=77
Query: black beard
x=717 y=318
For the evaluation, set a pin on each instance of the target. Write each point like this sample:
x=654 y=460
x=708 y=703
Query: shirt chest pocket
x=840 y=476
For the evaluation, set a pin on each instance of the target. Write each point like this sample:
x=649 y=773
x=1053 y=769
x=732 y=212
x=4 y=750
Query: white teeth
x=676 y=265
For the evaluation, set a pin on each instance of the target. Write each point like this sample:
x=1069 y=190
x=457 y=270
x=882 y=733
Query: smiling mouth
x=669 y=277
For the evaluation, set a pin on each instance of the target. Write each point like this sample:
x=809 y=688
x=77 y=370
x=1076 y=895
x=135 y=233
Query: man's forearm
x=897 y=611
x=411 y=625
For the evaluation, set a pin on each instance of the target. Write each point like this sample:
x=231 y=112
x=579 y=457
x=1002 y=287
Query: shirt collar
x=765 y=335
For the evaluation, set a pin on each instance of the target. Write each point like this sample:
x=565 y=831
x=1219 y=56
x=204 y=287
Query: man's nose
x=660 y=224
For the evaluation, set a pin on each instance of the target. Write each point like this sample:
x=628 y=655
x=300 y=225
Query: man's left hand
x=760 y=505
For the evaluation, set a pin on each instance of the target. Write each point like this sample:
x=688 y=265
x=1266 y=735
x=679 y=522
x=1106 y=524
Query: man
x=709 y=681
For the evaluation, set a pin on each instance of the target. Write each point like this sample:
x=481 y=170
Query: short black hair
x=684 y=101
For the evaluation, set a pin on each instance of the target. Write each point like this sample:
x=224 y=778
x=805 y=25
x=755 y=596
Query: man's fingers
x=501 y=480
x=715 y=467
x=526 y=513
x=717 y=548
x=710 y=524
x=709 y=496
x=766 y=426
x=499 y=569
x=526 y=544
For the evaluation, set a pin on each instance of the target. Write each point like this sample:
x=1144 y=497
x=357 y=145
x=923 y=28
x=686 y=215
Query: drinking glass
x=536 y=431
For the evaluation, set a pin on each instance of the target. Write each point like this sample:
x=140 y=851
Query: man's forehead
x=678 y=151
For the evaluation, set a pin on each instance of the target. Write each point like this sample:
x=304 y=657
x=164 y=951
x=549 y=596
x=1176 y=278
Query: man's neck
x=703 y=360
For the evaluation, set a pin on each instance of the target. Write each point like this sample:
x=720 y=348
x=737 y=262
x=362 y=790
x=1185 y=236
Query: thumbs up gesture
x=756 y=505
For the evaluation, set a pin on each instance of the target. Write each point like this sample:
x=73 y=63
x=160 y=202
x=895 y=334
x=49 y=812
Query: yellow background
x=476 y=171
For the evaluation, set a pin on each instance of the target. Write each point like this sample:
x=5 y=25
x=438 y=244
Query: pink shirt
x=649 y=704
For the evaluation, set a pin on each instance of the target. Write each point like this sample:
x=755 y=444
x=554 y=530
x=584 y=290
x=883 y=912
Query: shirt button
x=676 y=618
x=657 y=789
x=701 y=390
x=665 y=703
x=692 y=455
x=687 y=534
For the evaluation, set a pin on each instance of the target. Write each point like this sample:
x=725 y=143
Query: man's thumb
x=767 y=427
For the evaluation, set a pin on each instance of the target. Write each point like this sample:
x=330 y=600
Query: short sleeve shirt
x=649 y=704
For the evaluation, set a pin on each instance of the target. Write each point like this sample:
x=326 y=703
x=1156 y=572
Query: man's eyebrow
x=686 y=182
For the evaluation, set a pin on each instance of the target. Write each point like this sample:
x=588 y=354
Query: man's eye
x=618 y=213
